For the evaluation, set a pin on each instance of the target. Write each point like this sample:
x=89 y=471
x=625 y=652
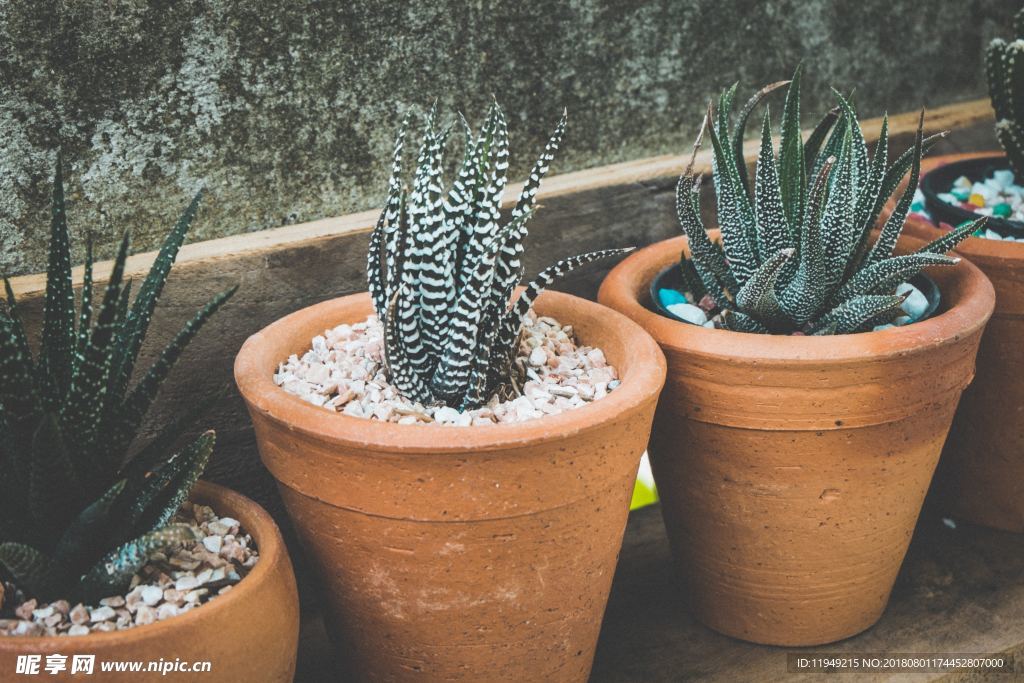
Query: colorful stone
x=670 y=297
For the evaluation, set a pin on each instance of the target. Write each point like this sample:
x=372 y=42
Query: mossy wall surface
x=286 y=111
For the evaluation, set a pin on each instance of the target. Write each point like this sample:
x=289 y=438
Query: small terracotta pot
x=250 y=633
x=469 y=553
x=792 y=469
x=981 y=474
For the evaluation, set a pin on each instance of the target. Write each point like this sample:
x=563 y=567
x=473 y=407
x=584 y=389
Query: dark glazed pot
x=792 y=469
x=939 y=178
x=459 y=553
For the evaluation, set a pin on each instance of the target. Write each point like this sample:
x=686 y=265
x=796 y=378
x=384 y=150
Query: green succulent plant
x=442 y=268
x=1004 y=63
x=795 y=253
x=79 y=512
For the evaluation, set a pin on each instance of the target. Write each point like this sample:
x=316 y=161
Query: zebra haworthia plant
x=795 y=253
x=1004 y=64
x=442 y=267
x=78 y=514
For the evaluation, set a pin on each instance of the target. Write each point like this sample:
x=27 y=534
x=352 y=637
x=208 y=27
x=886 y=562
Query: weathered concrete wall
x=286 y=110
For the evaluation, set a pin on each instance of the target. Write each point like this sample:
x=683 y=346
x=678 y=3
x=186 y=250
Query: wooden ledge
x=652 y=169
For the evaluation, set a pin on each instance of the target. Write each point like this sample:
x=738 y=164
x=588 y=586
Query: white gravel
x=344 y=372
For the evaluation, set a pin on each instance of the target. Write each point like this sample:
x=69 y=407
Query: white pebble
x=446 y=415
x=102 y=614
x=166 y=611
x=186 y=583
x=689 y=313
x=916 y=304
x=152 y=595
x=145 y=615
x=213 y=543
x=218 y=528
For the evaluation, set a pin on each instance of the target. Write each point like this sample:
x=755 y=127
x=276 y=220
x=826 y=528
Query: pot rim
x=979 y=247
x=254 y=519
x=625 y=285
x=640 y=383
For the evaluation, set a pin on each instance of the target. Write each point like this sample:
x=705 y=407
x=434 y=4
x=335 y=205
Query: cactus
x=442 y=268
x=795 y=253
x=1004 y=65
x=80 y=512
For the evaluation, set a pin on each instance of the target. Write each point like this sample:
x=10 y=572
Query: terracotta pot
x=792 y=469
x=248 y=634
x=981 y=474
x=459 y=553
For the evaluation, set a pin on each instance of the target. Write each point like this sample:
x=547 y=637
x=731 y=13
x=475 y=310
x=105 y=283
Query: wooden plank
x=282 y=270
x=960 y=591
x=950 y=117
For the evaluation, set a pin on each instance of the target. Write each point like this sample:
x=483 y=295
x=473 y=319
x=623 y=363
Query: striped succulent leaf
x=443 y=267
x=142 y=395
x=508 y=328
x=55 y=484
x=159 y=495
x=31 y=570
x=509 y=265
x=799 y=256
x=113 y=573
x=741 y=124
x=133 y=331
x=452 y=374
x=735 y=214
x=59 y=306
x=402 y=370
x=708 y=260
x=858 y=312
x=384 y=241
x=71 y=491
x=1004 y=66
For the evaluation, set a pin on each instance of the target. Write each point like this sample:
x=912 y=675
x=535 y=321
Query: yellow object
x=976 y=199
x=644 y=491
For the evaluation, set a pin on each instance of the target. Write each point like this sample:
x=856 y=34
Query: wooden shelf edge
x=948 y=117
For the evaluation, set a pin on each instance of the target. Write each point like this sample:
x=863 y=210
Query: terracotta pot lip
x=626 y=283
x=972 y=246
x=254 y=519
x=641 y=383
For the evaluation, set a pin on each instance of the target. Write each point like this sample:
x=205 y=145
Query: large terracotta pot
x=792 y=469
x=459 y=553
x=981 y=474
x=248 y=634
